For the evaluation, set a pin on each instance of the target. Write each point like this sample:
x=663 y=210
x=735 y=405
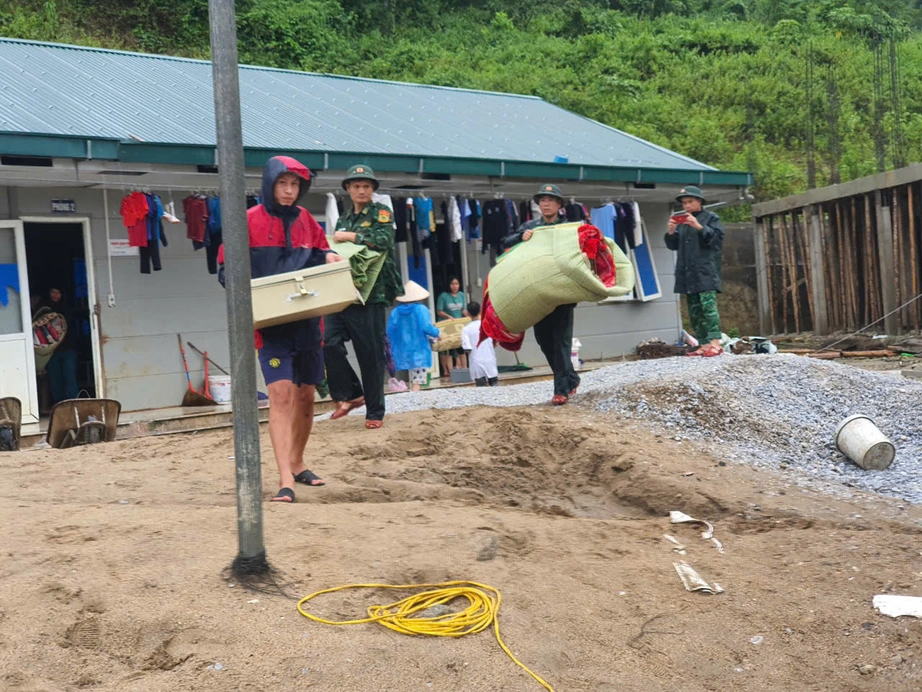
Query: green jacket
x=516 y=238
x=697 y=267
x=373 y=228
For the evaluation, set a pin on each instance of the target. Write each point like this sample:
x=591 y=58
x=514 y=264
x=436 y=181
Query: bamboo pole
x=840 y=265
x=863 y=279
x=899 y=274
x=790 y=241
x=768 y=226
x=827 y=248
x=913 y=269
x=872 y=257
x=808 y=269
x=852 y=255
x=784 y=278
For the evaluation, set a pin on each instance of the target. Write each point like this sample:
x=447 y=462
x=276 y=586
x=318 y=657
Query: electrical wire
x=481 y=612
x=845 y=338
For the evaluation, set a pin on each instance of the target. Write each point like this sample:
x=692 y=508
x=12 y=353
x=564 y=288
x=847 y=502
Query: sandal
x=308 y=477
x=374 y=424
x=558 y=400
x=284 y=495
x=711 y=351
x=696 y=352
x=344 y=407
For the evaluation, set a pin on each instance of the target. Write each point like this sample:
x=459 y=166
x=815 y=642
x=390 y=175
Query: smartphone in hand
x=680 y=217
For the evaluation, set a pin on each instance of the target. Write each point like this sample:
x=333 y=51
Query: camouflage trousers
x=702 y=311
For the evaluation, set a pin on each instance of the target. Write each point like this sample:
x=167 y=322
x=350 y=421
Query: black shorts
x=281 y=360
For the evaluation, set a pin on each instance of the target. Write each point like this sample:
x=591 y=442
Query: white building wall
x=140 y=354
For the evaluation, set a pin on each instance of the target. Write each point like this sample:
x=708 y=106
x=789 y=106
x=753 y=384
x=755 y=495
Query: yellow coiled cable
x=481 y=612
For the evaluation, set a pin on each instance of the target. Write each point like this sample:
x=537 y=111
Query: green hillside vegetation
x=739 y=84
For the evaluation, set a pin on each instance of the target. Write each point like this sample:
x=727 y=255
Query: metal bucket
x=860 y=440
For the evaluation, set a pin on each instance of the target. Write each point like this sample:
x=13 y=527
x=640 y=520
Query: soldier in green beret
x=370 y=224
x=554 y=333
x=697 y=235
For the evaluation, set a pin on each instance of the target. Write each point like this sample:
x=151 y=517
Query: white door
x=17 y=357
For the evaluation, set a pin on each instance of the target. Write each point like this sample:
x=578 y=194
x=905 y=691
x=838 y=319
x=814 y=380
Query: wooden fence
x=842 y=264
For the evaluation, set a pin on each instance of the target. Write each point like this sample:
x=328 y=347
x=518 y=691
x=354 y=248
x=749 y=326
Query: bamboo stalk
x=913 y=270
x=899 y=277
x=840 y=262
x=767 y=226
x=865 y=261
x=867 y=354
x=843 y=248
x=784 y=277
x=808 y=267
x=872 y=256
x=792 y=272
x=853 y=260
x=830 y=253
x=832 y=306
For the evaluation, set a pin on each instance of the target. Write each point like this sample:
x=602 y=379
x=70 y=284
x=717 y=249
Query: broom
x=192 y=397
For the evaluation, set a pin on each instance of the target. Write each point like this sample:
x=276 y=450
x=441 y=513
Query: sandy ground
x=112 y=559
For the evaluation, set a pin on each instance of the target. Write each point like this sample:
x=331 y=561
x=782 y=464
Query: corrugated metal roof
x=53 y=89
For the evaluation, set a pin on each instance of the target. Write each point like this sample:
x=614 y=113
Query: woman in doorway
x=62 y=368
x=452 y=305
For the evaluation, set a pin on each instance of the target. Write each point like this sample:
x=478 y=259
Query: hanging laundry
x=150 y=253
x=454 y=220
x=464 y=209
x=169 y=213
x=400 y=220
x=605 y=219
x=214 y=215
x=476 y=216
x=134 y=213
x=638 y=224
x=425 y=219
x=331 y=213
x=444 y=235
x=575 y=212
x=497 y=224
x=195 y=209
x=415 y=233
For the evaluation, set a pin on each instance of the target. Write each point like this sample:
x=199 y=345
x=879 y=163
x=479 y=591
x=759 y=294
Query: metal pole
x=252 y=553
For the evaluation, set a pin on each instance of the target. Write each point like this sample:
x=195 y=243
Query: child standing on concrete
x=482 y=358
x=409 y=329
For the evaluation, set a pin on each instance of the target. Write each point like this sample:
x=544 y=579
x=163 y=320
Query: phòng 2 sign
x=63 y=206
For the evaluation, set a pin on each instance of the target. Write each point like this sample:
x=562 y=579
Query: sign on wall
x=121 y=248
x=63 y=206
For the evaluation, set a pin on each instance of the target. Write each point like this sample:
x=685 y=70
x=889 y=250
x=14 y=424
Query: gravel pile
x=778 y=412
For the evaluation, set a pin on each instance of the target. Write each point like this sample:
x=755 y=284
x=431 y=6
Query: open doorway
x=56 y=259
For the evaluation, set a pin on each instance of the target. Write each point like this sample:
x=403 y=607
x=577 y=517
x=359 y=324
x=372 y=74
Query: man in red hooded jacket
x=284 y=237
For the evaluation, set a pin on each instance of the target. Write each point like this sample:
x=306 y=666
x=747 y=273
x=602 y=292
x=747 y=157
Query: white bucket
x=862 y=442
x=220 y=386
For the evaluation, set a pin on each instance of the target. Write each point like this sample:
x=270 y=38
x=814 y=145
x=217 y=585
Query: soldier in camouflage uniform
x=697 y=235
x=370 y=224
x=554 y=333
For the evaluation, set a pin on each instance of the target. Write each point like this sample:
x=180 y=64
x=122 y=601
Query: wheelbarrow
x=83 y=422
x=10 y=423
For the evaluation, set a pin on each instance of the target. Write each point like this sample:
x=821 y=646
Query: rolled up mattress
x=558 y=265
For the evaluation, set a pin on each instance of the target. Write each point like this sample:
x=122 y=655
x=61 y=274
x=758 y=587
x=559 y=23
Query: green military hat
x=690 y=191
x=360 y=172
x=549 y=190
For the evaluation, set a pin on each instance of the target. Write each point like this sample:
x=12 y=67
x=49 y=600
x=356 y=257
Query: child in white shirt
x=482 y=359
